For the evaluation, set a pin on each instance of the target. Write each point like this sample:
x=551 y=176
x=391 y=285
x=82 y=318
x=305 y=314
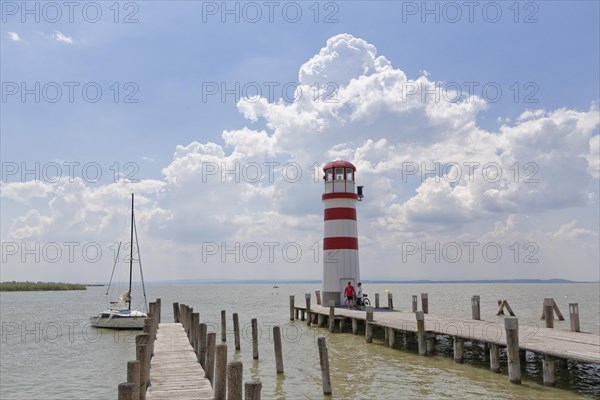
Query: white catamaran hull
x=124 y=319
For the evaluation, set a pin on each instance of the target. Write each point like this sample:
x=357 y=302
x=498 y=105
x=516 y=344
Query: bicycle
x=365 y=301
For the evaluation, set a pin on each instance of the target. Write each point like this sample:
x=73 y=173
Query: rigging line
x=113 y=270
x=140 y=261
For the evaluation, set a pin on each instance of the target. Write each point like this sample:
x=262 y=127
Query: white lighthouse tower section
x=340 y=239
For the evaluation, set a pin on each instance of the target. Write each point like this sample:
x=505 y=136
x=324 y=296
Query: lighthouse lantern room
x=340 y=240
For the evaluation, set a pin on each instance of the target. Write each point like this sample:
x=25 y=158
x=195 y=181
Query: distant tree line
x=14 y=286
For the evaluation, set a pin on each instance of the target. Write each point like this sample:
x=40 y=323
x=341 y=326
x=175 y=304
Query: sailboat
x=120 y=315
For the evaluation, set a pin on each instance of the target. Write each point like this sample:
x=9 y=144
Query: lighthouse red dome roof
x=339 y=164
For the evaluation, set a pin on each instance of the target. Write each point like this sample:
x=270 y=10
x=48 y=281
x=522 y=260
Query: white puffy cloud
x=14 y=36
x=430 y=172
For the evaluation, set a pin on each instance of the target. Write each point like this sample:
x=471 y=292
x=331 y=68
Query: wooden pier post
x=252 y=390
x=235 y=370
x=574 y=316
x=291 y=307
x=557 y=311
x=188 y=322
x=376 y=300
x=414 y=303
x=202 y=345
x=209 y=370
x=511 y=325
x=318 y=296
x=324 y=361
x=390 y=301
x=459 y=349
x=331 y=315
x=368 y=327
x=126 y=391
x=158 y=311
x=320 y=320
x=278 y=349
x=548 y=370
x=133 y=376
x=494 y=357
x=236 y=332
x=223 y=326
x=391 y=334
x=476 y=307
x=254 y=323
x=220 y=385
x=425 y=303
x=308 y=314
x=144 y=359
x=195 y=329
x=430 y=343
x=354 y=326
x=421 y=333
x=549 y=312
x=176 y=312
x=500 y=308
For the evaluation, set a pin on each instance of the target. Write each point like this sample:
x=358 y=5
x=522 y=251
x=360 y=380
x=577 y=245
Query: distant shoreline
x=39 y=286
x=367 y=281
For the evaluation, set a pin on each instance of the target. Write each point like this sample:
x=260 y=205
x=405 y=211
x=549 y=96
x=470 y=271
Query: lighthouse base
x=336 y=296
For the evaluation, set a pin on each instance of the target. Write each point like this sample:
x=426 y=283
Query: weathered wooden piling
x=502 y=304
x=548 y=365
x=126 y=391
x=549 y=312
x=254 y=324
x=252 y=390
x=144 y=359
x=278 y=349
x=223 y=326
x=324 y=361
x=331 y=316
x=354 y=326
x=292 y=307
x=511 y=325
x=236 y=332
x=494 y=357
x=368 y=327
x=176 y=312
x=209 y=370
x=376 y=300
x=133 y=376
x=420 y=315
x=476 y=307
x=425 y=303
x=430 y=343
x=195 y=333
x=557 y=311
x=459 y=349
x=202 y=344
x=414 y=303
x=574 y=316
x=235 y=372
x=391 y=336
x=308 y=314
x=220 y=385
x=390 y=301
x=318 y=296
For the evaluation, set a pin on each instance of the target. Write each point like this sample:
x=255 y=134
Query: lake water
x=49 y=351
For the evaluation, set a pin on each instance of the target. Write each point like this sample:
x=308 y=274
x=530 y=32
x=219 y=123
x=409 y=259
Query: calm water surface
x=49 y=351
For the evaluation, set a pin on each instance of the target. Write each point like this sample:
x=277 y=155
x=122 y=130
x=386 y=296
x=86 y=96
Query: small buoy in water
x=386 y=291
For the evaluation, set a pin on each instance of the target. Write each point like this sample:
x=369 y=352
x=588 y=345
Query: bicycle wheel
x=366 y=302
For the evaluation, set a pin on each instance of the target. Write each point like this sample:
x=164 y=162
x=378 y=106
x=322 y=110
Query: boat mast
x=130 y=256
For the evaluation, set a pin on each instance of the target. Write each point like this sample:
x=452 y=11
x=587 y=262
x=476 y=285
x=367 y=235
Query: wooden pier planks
x=175 y=373
x=576 y=346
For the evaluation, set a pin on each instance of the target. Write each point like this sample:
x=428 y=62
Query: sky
x=474 y=128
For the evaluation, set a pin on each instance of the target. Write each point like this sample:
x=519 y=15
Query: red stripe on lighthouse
x=340 y=213
x=340 y=243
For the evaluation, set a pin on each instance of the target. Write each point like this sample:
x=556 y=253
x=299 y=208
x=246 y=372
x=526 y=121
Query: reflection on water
x=49 y=351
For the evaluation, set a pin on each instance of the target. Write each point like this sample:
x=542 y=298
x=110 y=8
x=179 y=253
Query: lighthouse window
x=349 y=174
x=339 y=174
x=329 y=175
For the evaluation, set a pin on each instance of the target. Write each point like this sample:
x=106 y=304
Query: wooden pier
x=175 y=372
x=423 y=328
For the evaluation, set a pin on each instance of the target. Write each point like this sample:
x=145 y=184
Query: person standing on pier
x=349 y=293
x=359 y=294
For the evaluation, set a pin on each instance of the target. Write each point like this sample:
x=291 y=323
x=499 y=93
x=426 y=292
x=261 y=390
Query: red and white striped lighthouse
x=340 y=241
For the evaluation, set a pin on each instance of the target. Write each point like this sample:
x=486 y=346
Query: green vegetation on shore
x=38 y=286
